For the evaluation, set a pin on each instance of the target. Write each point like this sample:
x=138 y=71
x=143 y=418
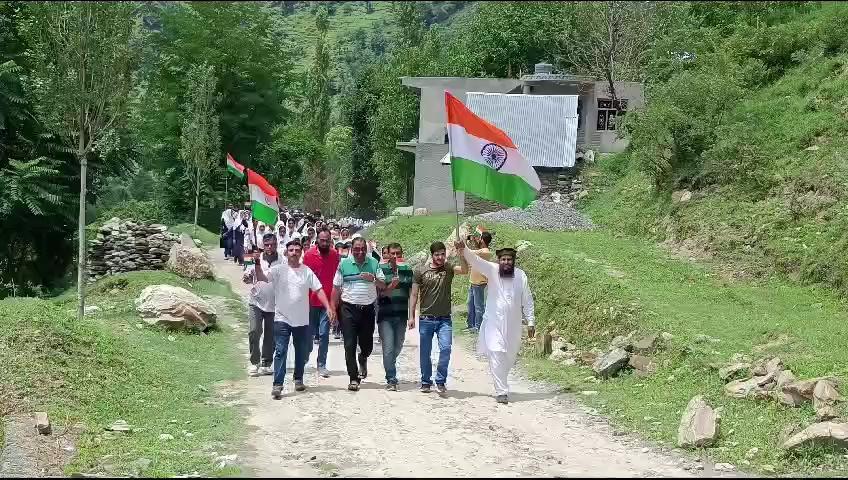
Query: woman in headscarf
x=239 y=230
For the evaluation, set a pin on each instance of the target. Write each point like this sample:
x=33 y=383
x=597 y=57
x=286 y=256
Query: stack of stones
x=575 y=191
x=126 y=246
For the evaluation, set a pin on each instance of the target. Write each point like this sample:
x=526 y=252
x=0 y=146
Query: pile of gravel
x=540 y=215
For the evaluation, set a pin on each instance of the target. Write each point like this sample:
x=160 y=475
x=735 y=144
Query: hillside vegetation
x=756 y=130
x=109 y=367
x=592 y=286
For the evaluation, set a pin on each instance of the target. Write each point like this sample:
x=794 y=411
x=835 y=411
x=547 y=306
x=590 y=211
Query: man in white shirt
x=508 y=298
x=292 y=283
x=261 y=307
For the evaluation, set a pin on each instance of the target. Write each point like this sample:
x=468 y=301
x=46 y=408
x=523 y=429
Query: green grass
x=415 y=233
x=590 y=286
x=105 y=368
x=208 y=238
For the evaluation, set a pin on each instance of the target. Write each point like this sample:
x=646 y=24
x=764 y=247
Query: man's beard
x=324 y=249
x=506 y=271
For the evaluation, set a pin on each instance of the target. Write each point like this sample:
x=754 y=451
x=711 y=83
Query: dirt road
x=329 y=431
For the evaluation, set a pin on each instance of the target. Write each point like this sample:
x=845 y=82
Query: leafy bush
x=151 y=211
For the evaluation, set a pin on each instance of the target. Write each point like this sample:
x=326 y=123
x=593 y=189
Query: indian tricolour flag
x=263 y=198
x=485 y=162
x=234 y=167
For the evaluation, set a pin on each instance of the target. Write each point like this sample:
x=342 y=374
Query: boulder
x=416 y=259
x=624 y=342
x=798 y=392
x=643 y=366
x=825 y=397
x=403 y=211
x=421 y=211
x=587 y=358
x=559 y=355
x=647 y=344
x=733 y=371
x=189 y=262
x=820 y=434
x=42 y=423
x=699 y=425
x=610 y=363
x=758 y=387
x=175 y=308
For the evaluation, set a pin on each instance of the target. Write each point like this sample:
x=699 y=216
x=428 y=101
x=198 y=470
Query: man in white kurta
x=508 y=299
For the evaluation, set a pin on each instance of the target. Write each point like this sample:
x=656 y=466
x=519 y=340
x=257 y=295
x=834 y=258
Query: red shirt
x=324 y=267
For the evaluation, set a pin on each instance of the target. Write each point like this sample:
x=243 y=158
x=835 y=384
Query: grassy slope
x=778 y=207
x=577 y=277
x=301 y=26
x=105 y=368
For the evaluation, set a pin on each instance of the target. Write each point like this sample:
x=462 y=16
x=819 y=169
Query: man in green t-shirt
x=433 y=282
x=394 y=309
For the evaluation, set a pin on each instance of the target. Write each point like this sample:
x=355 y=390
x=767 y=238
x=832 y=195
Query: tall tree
x=609 y=40
x=317 y=114
x=82 y=60
x=201 y=138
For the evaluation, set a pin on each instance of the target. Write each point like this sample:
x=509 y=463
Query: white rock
x=699 y=424
x=166 y=436
x=724 y=467
x=175 y=307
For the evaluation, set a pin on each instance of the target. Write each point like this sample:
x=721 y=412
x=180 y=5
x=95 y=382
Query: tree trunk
x=81 y=225
x=196 y=203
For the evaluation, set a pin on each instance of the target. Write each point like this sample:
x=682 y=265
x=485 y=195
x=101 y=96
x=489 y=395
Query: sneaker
x=277 y=392
x=299 y=386
x=425 y=388
x=441 y=389
x=353 y=386
x=391 y=387
x=337 y=335
x=323 y=372
x=316 y=340
x=253 y=370
x=266 y=371
x=502 y=399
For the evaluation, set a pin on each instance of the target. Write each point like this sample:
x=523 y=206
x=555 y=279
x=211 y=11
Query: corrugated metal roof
x=544 y=127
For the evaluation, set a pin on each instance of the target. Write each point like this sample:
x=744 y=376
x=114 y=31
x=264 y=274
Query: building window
x=608 y=111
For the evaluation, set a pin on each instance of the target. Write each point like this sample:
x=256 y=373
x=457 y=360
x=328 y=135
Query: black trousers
x=357 y=322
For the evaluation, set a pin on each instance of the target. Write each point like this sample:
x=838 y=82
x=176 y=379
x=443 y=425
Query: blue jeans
x=443 y=329
x=476 y=305
x=319 y=326
x=302 y=344
x=392 y=335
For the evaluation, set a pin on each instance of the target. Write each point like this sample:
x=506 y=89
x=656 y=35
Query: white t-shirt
x=262 y=293
x=291 y=293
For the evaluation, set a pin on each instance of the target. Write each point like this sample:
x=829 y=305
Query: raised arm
x=487 y=269
x=257 y=269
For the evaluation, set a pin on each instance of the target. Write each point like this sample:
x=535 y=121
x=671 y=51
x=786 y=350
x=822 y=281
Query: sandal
x=353 y=386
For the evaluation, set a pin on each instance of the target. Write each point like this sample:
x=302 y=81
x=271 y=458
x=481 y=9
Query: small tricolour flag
x=234 y=167
x=485 y=162
x=263 y=198
x=479 y=230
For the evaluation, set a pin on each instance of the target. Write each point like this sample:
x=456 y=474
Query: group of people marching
x=309 y=277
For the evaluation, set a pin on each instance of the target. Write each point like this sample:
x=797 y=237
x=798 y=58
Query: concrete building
x=596 y=117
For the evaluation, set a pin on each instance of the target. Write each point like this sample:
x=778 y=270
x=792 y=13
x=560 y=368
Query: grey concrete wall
x=433 y=189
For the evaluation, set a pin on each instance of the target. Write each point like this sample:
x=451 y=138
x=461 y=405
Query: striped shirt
x=354 y=289
x=395 y=305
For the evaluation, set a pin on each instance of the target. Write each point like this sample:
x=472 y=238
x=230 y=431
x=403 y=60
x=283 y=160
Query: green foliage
x=200 y=140
x=45 y=349
x=149 y=211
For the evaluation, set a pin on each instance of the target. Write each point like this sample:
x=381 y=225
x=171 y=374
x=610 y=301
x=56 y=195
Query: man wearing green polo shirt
x=355 y=293
x=394 y=310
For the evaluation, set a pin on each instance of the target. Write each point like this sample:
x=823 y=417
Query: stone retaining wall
x=126 y=246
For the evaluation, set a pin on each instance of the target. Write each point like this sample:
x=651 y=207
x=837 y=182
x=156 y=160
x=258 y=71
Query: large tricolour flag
x=234 y=167
x=485 y=162
x=263 y=198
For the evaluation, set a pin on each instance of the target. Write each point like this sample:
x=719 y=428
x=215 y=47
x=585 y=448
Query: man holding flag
x=485 y=162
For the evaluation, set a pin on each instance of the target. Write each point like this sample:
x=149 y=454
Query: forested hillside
x=743 y=108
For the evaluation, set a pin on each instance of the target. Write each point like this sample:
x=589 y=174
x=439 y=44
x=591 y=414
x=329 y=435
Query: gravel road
x=329 y=431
